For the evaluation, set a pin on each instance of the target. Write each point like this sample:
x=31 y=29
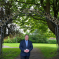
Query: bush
x=8 y=40
x=14 y=40
x=38 y=39
x=20 y=39
x=34 y=39
x=52 y=41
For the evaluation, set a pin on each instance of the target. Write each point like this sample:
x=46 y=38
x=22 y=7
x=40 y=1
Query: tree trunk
x=51 y=25
x=1 y=41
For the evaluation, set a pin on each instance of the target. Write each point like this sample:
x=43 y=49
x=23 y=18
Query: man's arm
x=21 y=46
x=31 y=47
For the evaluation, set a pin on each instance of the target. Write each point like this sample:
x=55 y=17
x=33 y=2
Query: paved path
x=9 y=47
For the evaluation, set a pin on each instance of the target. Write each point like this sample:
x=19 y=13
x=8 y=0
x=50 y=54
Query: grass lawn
x=10 y=53
x=48 y=50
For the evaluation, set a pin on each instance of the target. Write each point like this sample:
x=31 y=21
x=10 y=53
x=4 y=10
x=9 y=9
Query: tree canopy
x=33 y=20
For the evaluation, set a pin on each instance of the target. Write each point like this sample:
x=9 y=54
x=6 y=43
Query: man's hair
x=26 y=34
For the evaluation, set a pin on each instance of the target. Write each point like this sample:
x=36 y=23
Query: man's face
x=26 y=37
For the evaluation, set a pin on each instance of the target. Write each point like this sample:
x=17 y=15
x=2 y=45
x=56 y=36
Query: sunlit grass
x=34 y=45
x=11 y=44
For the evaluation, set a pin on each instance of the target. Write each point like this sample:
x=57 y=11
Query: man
x=25 y=47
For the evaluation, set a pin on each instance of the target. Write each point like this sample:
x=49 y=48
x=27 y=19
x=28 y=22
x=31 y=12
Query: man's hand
x=26 y=50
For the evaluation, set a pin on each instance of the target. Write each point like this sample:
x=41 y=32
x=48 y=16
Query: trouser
x=24 y=57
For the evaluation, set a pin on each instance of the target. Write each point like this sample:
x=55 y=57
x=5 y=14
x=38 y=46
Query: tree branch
x=27 y=2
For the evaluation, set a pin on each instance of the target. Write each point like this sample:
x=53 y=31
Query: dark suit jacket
x=23 y=47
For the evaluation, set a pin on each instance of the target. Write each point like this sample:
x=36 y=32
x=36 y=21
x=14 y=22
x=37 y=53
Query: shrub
x=7 y=40
x=52 y=41
x=34 y=39
x=20 y=39
x=14 y=40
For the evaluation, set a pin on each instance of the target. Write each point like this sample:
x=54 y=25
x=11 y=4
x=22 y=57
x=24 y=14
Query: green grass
x=12 y=44
x=10 y=53
x=48 y=50
x=34 y=44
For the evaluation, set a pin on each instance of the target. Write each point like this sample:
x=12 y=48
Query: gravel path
x=35 y=54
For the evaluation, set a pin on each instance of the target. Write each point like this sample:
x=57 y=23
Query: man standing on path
x=25 y=47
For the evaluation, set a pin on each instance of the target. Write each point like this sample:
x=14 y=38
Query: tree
x=30 y=12
x=49 y=6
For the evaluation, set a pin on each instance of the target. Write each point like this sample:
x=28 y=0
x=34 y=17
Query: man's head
x=26 y=37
